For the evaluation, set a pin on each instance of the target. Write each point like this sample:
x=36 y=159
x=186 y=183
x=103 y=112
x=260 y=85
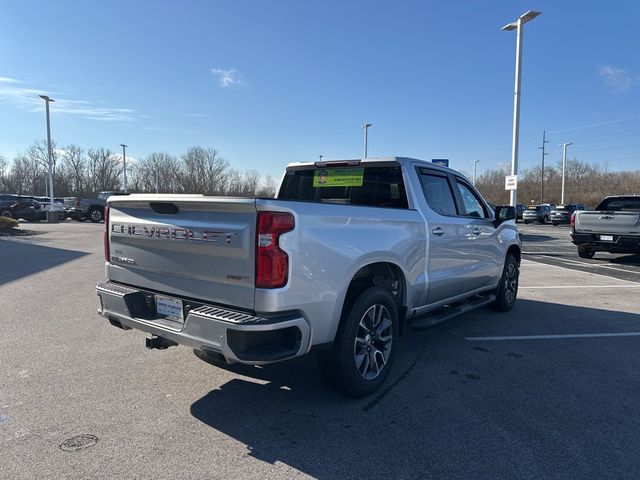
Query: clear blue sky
x=267 y=83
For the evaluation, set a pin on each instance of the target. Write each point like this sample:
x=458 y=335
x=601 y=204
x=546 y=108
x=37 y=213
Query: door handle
x=476 y=231
x=438 y=231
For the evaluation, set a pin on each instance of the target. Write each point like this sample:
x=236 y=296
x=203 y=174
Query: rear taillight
x=572 y=221
x=272 y=263
x=106 y=234
x=78 y=202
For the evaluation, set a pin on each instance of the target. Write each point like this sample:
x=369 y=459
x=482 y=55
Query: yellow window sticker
x=338 y=177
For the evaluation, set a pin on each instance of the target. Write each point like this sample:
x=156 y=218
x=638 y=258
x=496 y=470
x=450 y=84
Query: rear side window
x=365 y=186
x=438 y=194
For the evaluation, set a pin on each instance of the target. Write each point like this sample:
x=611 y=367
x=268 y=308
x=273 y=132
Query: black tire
x=585 y=252
x=507 y=290
x=526 y=223
x=96 y=215
x=363 y=338
x=555 y=224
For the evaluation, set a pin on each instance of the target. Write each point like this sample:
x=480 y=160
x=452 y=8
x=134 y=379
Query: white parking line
x=555 y=287
x=546 y=337
x=591 y=265
x=580 y=271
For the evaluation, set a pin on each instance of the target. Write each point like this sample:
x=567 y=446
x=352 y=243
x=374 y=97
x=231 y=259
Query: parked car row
x=34 y=208
x=548 y=213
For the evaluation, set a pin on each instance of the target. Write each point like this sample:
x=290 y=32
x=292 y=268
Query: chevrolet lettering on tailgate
x=172 y=233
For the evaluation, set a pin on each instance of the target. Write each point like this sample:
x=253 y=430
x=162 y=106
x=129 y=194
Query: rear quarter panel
x=329 y=244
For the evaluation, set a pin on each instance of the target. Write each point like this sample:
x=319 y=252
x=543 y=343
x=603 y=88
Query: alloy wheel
x=372 y=345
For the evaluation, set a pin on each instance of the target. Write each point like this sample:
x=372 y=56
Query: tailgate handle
x=166 y=208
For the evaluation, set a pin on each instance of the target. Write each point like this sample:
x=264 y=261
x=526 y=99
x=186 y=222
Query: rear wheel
x=362 y=354
x=585 y=252
x=96 y=215
x=508 y=288
x=555 y=224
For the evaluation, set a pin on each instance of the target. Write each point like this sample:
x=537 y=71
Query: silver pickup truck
x=613 y=226
x=345 y=258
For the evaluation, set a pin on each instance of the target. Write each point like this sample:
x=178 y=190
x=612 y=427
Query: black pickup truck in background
x=92 y=209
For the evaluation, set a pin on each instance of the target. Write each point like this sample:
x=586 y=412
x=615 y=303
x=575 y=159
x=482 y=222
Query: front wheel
x=360 y=359
x=507 y=290
x=585 y=252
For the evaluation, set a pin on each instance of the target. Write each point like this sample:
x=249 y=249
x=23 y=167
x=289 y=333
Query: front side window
x=438 y=194
x=472 y=204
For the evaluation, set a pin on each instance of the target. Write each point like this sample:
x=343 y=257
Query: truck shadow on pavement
x=19 y=259
x=469 y=409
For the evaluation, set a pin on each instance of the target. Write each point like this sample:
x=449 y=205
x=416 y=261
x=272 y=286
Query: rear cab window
x=620 y=204
x=363 y=185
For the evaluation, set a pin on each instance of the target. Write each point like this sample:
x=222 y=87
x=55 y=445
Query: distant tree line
x=585 y=183
x=85 y=172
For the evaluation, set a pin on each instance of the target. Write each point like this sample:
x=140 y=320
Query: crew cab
x=613 y=226
x=349 y=255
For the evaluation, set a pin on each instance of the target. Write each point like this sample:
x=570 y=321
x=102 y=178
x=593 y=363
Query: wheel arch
x=384 y=274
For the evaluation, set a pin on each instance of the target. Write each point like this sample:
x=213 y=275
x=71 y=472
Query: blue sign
x=444 y=162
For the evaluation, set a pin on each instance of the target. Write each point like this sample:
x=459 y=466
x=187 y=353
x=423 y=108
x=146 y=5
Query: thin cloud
x=195 y=115
x=617 y=79
x=15 y=92
x=229 y=77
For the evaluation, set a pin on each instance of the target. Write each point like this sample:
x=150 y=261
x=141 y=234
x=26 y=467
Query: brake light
x=106 y=234
x=572 y=222
x=272 y=263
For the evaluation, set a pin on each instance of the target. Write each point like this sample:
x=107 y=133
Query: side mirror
x=504 y=213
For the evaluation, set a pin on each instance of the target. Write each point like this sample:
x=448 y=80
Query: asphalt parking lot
x=549 y=390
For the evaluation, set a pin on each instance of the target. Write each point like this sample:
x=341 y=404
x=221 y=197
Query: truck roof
x=402 y=161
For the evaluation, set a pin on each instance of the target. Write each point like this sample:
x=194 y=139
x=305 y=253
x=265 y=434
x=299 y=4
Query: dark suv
x=562 y=213
x=18 y=206
x=537 y=213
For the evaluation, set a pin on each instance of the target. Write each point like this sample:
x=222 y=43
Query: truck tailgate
x=185 y=245
x=619 y=223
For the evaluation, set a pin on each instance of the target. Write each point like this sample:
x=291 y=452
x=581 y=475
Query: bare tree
x=204 y=171
x=72 y=170
x=3 y=170
x=158 y=172
x=105 y=169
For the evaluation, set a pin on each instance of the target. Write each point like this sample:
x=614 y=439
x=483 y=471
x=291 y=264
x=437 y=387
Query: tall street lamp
x=52 y=216
x=366 y=137
x=564 y=164
x=124 y=167
x=475 y=165
x=518 y=26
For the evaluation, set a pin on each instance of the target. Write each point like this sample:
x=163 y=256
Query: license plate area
x=169 y=308
x=606 y=238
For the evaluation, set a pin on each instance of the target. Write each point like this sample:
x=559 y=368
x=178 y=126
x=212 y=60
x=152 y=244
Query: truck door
x=484 y=248
x=449 y=259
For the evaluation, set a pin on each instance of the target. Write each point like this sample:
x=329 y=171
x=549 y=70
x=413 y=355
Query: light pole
x=475 y=165
x=518 y=26
x=320 y=157
x=564 y=164
x=366 y=137
x=124 y=167
x=52 y=216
